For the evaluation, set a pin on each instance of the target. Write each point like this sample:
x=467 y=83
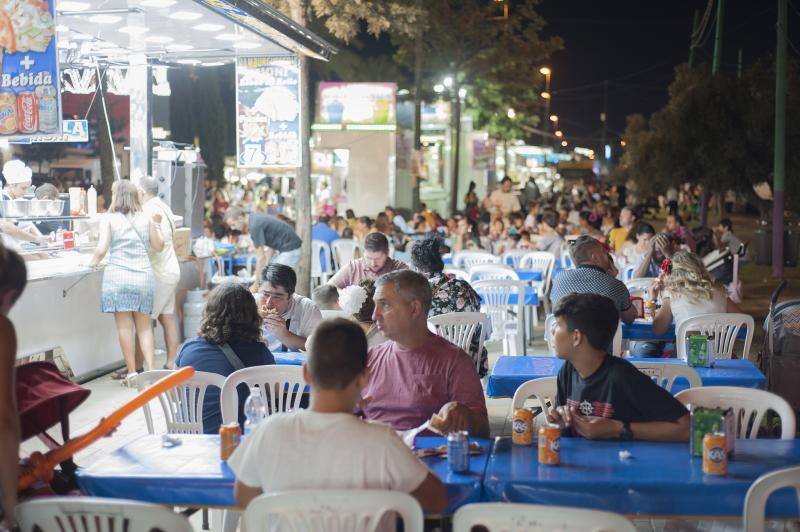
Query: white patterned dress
x=128 y=281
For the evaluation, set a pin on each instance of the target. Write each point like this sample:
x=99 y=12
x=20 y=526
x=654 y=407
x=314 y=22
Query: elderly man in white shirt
x=166 y=268
x=289 y=318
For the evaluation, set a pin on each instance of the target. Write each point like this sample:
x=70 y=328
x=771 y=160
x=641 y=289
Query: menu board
x=268 y=112
x=30 y=100
x=357 y=103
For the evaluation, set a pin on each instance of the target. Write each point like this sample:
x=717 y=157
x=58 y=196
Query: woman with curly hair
x=450 y=294
x=229 y=339
x=687 y=290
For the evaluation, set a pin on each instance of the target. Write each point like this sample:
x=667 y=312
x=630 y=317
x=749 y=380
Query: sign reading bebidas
x=30 y=100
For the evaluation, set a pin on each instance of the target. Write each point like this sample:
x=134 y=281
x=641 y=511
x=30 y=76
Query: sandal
x=121 y=373
x=130 y=380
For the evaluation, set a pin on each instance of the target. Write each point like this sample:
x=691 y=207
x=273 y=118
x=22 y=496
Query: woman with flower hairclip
x=357 y=303
x=687 y=289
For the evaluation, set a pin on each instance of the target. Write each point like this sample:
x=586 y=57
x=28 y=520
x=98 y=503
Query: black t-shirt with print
x=619 y=391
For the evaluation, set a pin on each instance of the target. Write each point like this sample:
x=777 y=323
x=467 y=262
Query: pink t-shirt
x=409 y=386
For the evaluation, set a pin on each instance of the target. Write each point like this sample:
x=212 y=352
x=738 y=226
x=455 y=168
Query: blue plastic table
x=509 y=373
x=192 y=474
x=642 y=329
x=661 y=479
x=289 y=358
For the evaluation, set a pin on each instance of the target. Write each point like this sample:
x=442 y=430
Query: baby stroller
x=45 y=399
x=779 y=359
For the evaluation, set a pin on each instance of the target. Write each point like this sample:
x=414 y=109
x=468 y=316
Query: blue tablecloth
x=643 y=330
x=192 y=474
x=509 y=373
x=661 y=479
x=289 y=358
x=529 y=275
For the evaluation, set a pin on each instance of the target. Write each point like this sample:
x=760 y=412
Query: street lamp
x=623 y=143
x=559 y=134
x=438 y=88
x=448 y=82
x=545 y=71
x=564 y=143
x=554 y=118
x=511 y=113
x=462 y=93
x=546 y=96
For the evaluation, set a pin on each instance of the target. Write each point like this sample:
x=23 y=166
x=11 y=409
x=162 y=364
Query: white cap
x=16 y=172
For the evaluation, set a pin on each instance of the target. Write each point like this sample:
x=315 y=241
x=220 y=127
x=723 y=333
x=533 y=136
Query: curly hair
x=689 y=277
x=231 y=312
x=425 y=256
x=364 y=314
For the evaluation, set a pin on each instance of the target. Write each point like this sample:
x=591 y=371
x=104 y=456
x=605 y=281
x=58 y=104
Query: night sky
x=636 y=46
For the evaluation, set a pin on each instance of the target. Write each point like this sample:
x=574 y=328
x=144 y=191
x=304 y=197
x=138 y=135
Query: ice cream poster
x=30 y=99
x=357 y=103
x=268 y=112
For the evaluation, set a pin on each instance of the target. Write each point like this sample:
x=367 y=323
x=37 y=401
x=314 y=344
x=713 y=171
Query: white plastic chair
x=749 y=406
x=331 y=510
x=491 y=272
x=566 y=257
x=549 y=326
x=183 y=404
x=723 y=326
x=640 y=287
x=344 y=250
x=466 y=259
x=540 y=261
x=95 y=514
x=544 y=389
x=755 y=502
x=665 y=373
x=460 y=328
x=459 y=274
x=507 y=319
x=513 y=257
x=281 y=386
x=319 y=275
x=497 y=517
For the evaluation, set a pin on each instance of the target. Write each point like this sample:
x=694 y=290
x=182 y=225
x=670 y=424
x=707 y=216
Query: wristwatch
x=626 y=434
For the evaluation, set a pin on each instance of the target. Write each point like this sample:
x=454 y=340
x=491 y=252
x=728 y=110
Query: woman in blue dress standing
x=126 y=234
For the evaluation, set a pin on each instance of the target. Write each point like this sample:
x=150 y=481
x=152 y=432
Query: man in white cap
x=18 y=177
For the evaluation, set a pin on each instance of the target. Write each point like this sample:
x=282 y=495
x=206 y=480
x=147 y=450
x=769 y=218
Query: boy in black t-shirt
x=603 y=397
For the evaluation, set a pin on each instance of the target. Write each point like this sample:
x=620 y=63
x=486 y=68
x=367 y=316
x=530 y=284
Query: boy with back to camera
x=327 y=446
x=601 y=397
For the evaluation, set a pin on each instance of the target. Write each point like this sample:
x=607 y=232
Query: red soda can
x=27 y=112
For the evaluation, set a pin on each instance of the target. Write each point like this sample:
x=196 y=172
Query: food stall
x=120 y=42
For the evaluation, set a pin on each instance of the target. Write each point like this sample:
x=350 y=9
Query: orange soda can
x=550 y=445
x=715 y=454
x=522 y=427
x=229 y=437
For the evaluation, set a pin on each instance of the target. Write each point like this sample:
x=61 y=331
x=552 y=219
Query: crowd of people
x=379 y=359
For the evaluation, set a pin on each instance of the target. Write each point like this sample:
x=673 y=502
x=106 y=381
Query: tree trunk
x=456 y=110
x=105 y=144
x=303 y=179
x=417 y=108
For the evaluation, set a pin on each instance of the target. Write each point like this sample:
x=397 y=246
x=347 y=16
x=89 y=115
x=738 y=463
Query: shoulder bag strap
x=232 y=357
x=136 y=231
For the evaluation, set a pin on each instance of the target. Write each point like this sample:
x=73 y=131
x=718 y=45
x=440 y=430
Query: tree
x=343 y=19
x=211 y=123
x=499 y=59
x=715 y=131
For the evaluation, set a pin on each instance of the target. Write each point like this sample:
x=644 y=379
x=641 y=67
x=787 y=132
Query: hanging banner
x=483 y=153
x=30 y=99
x=268 y=112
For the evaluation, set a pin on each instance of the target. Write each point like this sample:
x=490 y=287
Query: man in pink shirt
x=416 y=373
x=375 y=262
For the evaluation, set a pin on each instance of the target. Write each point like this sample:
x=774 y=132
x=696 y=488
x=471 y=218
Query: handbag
x=232 y=357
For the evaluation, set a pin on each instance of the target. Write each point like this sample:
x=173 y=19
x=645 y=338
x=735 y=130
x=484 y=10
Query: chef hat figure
x=16 y=172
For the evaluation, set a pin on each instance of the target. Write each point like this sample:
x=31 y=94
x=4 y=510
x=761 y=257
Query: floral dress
x=451 y=294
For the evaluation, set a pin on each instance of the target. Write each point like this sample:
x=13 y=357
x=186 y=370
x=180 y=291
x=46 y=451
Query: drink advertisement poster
x=30 y=99
x=357 y=103
x=268 y=112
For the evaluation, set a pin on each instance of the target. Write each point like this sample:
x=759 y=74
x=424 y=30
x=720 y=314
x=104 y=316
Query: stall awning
x=191 y=32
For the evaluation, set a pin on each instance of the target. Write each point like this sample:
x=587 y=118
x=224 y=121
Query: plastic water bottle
x=91 y=201
x=254 y=410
